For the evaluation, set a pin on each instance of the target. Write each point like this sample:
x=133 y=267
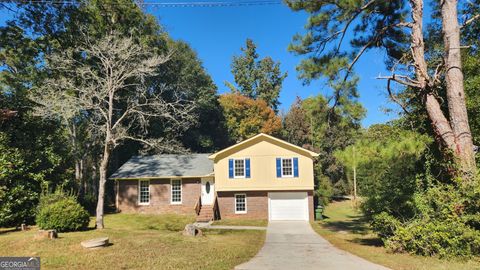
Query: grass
x=242 y=222
x=344 y=228
x=138 y=242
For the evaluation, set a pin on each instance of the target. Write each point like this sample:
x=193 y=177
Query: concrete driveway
x=295 y=245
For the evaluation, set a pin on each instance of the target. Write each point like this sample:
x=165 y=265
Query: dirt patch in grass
x=138 y=242
x=346 y=229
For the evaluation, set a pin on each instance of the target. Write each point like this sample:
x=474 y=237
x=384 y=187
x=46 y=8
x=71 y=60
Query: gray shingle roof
x=164 y=166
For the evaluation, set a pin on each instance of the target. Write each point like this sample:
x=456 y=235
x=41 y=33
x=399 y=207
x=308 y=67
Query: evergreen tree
x=257 y=78
x=296 y=128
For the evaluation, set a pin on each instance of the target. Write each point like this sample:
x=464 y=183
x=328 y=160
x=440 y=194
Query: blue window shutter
x=230 y=168
x=279 y=167
x=295 y=167
x=247 y=168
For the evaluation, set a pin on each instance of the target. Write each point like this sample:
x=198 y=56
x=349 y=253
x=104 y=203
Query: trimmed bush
x=62 y=213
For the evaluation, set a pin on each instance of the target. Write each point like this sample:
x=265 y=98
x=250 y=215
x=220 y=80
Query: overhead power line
x=177 y=4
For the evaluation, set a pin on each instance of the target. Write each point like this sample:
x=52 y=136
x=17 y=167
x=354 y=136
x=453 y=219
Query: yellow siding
x=263 y=175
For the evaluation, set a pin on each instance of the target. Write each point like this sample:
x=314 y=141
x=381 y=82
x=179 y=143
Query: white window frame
x=140 y=192
x=281 y=168
x=244 y=168
x=171 y=191
x=235 y=204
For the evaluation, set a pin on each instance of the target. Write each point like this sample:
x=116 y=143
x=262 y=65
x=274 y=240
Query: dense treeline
x=46 y=145
x=86 y=85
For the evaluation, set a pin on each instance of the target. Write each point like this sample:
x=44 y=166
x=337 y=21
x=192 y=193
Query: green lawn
x=138 y=242
x=242 y=222
x=345 y=229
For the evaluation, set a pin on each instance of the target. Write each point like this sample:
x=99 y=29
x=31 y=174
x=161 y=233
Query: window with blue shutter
x=295 y=167
x=279 y=167
x=287 y=167
x=230 y=168
x=247 y=168
x=239 y=168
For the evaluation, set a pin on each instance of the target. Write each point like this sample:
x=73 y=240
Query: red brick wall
x=160 y=193
x=257 y=204
x=310 y=205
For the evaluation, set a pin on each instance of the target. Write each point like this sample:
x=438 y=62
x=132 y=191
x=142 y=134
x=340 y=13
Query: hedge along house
x=260 y=178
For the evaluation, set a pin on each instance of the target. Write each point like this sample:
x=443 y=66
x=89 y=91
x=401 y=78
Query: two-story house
x=260 y=178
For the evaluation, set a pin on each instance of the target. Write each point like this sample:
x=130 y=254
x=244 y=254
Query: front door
x=208 y=191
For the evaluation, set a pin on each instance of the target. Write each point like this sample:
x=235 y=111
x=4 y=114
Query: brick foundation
x=257 y=204
x=160 y=192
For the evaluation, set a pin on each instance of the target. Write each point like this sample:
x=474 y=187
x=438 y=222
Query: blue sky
x=217 y=33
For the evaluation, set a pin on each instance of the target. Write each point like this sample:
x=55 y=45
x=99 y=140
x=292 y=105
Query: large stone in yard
x=46 y=234
x=95 y=243
x=191 y=230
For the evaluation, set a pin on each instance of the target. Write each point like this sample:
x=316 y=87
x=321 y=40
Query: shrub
x=385 y=225
x=341 y=188
x=61 y=212
x=436 y=238
x=89 y=202
x=387 y=173
x=445 y=223
x=17 y=206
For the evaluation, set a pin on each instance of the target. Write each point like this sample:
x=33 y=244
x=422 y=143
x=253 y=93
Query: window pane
x=239 y=168
x=144 y=191
x=176 y=191
x=240 y=203
x=287 y=169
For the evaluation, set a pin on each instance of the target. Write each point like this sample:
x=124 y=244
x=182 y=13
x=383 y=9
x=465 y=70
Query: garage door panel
x=288 y=206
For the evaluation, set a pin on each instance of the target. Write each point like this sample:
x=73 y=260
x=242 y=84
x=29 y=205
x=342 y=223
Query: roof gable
x=258 y=138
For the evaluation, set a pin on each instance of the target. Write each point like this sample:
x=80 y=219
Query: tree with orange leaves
x=246 y=117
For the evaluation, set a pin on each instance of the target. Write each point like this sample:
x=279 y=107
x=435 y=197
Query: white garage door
x=288 y=205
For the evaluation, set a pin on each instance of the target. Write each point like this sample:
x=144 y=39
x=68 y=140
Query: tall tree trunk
x=354 y=176
x=355 y=185
x=455 y=92
x=439 y=122
x=104 y=162
x=76 y=155
x=101 y=186
x=453 y=133
x=94 y=180
x=79 y=176
x=78 y=173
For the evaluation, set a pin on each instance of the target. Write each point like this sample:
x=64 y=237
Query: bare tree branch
x=469 y=21
x=106 y=80
x=395 y=98
x=401 y=79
